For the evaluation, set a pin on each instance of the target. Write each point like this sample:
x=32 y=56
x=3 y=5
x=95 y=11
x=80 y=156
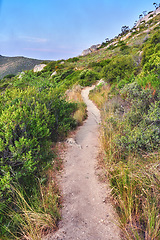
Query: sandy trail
x=87 y=214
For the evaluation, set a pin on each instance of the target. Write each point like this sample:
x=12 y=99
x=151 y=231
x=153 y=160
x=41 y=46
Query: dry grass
x=34 y=217
x=99 y=95
x=32 y=222
x=74 y=95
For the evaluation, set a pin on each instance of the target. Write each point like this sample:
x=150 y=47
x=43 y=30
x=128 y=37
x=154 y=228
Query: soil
x=87 y=212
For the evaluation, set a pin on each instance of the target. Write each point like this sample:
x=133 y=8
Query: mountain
x=14 y=65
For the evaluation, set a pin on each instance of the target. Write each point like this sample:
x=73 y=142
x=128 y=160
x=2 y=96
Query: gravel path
x=87 y=213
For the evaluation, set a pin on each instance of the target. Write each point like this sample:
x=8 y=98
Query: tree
x=144 y=13
x=156 y=5
x=107 y=40
x=135 y=23
x=140 y=16
x=124 y=30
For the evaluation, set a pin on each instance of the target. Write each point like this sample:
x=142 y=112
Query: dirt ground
x=87 y=212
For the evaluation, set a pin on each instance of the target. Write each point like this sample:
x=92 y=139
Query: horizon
x=53 y=30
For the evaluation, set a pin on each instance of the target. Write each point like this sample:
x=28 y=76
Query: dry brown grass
x=74 y=95
x=99 y=95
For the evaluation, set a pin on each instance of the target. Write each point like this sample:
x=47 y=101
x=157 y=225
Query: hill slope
x=14 y=65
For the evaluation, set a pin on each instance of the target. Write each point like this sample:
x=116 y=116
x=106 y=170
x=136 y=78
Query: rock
x=62 y=62
x=125 y=37
x=93 y=48
x=21 y=75
x=100 y=82
x=148 y=17
x=72 y=142
x=111 y=44
x=39 y=67
x=54 y=73
x=86 y=52
x=145 y=39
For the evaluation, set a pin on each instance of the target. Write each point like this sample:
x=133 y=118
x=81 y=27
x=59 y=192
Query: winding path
x=87 y=213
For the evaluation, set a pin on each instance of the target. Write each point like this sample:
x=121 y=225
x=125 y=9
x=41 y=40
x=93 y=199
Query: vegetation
x=37 y=110
x=34 y=114
x=130 y=109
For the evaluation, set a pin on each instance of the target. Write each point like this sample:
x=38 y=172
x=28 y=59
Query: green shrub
x=141 y=125
x=150 y=48
x=151 y=81
x=99 y=64
x=74 y=59
x=9 y=76
x=153 y=64
x=119 y=66
x=87 y=78
x=50 y=66
x=29 y=120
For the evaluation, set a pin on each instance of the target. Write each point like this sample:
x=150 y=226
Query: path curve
x=87 y=214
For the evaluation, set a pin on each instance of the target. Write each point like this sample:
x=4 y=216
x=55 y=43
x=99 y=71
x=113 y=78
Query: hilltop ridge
x=126 y=33
x=14 y=65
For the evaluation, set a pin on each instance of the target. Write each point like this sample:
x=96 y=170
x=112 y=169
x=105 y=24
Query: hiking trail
x=87 y=212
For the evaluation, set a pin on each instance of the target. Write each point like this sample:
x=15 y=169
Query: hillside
x=15 y=65
x=39 y=109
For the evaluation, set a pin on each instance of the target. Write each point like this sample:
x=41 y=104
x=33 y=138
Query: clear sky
x=59 y=29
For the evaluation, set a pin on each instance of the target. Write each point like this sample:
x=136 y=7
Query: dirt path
x=87 y=213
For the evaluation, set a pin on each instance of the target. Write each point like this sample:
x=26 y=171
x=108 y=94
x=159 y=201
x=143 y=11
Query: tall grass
x=134 y=180
x=32 y=218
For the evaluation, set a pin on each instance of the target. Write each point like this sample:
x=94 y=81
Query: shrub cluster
x=151 y=55
x=29 y=119
x=141 y=124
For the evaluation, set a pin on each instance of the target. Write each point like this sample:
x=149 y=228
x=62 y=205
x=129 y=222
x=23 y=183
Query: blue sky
x=59 y=29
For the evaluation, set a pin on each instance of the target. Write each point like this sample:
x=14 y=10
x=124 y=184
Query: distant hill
x=14 y=65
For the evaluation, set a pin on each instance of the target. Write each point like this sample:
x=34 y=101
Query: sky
x=61 y=29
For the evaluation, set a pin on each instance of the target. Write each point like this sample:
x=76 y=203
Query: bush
x=141 y=125
x=99 y=64
x=50 y=66
x=149 y=81
x=75 y=59
x=9 y=76
x=87 y=78
x=150 y=48
x=29 y=120
x=119 y=67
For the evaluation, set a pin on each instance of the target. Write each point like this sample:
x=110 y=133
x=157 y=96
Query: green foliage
x=124 y=48
x=33 y=113
x=151 y=53
x=119 y=67
x=99 y=64
x=122 y=82
x=29 y=119
x=151 y=81
x=153 y=64
x=141 y=132
x=50 y=66
x=75 y=59
x=9 y=76
x=87 y=78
